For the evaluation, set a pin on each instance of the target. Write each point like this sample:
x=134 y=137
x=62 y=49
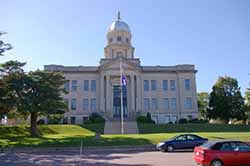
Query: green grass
x=96 y=127
x=71 y=136
x=145 y=128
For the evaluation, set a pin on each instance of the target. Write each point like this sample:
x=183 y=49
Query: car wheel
x=216 y=163
x=169 y=148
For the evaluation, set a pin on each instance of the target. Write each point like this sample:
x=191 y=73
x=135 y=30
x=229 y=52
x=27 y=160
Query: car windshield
x=173 y=138
x=207 y=145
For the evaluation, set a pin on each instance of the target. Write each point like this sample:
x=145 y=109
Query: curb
x=77 y=149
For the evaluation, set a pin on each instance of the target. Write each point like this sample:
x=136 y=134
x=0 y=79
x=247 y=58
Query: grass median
x=71 y=136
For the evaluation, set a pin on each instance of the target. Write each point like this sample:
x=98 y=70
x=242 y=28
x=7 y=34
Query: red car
x=221 y=153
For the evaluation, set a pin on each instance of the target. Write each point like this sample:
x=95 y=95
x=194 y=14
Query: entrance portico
x=110 y=99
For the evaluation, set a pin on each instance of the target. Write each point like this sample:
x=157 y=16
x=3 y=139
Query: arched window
x=119 y=54
x=127 y=40
x=110 y=40
x=119 y=38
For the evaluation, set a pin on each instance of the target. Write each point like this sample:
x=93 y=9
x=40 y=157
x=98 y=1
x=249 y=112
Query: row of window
x=87 y=104
x=166 y=85
x=91 y=85
x=167 y=103
x=119 y=38
x=87 y=85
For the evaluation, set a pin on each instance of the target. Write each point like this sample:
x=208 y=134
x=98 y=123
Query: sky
x=214 y=35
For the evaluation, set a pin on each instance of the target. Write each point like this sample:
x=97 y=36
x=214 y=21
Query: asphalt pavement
x=97 y=158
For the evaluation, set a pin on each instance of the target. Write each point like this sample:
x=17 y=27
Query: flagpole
x=122 y=131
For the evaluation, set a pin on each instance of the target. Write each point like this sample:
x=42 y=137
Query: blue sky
x=214 y=35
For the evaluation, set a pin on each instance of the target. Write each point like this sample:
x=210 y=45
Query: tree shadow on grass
x=75 y=141
x=217 y=137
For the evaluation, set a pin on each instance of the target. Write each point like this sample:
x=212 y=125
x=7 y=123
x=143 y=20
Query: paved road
x=91 y=158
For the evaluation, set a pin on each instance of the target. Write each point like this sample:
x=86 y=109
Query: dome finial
x=118 y=15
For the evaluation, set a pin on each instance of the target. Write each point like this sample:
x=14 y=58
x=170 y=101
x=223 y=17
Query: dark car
x=220 y=153
x=184 y=142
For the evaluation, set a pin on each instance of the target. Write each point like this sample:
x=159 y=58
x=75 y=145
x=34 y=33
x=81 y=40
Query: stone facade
x=167 y=92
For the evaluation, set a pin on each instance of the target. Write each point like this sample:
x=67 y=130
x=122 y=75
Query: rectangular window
x=85 y=104
x=174 y=119
x=146 y=85
x=93 y=105
x=86 y=85
x=146 y=104
x=173 y=103
x=187 y=83
x=93 y=85
x=74 y=85
x=167 y=119
x=72 y=120
x=153 y=85
x=165 y=85
x=165 y=104
x=66 y=86
x=172 y=85
x=73 y=104
x=154 y=104
x=188 y=103
x=67 y=102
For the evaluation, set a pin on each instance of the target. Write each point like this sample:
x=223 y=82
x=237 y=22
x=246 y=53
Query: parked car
x=184 y=141
x=221 y=153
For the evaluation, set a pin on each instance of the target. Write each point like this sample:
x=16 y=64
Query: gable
x=115 y=65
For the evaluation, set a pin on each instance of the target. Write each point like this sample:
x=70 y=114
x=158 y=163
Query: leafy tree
x=247 y=104
x=203 y=103
x=37 y=93
x=11 y=67
x=7 y=98
x=225 y=100
x=4 y=46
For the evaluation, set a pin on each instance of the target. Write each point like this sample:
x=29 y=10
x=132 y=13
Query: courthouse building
x=167 y=92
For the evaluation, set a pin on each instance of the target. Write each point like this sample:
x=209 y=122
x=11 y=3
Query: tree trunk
x=33 y=124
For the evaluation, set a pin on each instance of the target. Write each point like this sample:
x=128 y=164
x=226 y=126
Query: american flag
x=124 y=81
x=123 y=77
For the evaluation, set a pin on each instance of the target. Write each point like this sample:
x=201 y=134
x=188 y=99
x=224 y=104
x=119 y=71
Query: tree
x=37 y=93
x=247 y=104
x=4 y=46
x=7 y=98
x=203 y=103
x=225 y=100
x=11 y=67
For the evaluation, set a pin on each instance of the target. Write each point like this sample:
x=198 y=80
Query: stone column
x=132 y=93
x=139 y=94
x=108 y=96
x=102 y=109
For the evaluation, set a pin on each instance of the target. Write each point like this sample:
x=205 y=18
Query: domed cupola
x=119 y=40
x=119 y=25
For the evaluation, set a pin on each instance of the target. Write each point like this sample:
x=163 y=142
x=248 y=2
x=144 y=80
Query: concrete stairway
x=114 y=127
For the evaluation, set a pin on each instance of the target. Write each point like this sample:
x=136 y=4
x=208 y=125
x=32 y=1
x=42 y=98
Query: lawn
x=145 y=128
x=71 y=136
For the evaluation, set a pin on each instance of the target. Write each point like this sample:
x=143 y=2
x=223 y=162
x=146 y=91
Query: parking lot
x=92 y=158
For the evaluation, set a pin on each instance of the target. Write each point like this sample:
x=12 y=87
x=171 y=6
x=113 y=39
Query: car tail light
x=200 y=153
x=203 y=153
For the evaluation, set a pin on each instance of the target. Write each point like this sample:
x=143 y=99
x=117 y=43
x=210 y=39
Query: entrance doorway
x=117 y=101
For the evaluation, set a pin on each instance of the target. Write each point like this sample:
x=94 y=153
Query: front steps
x=114 y=127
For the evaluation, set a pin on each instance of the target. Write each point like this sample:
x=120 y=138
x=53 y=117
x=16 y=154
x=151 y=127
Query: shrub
x=194 y=121
x=54 y=120
x=145 y=119
x=40 y=122
x=95 y=118
x=182 y=121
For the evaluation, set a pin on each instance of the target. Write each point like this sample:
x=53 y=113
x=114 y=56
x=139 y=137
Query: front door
x=117 y=101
